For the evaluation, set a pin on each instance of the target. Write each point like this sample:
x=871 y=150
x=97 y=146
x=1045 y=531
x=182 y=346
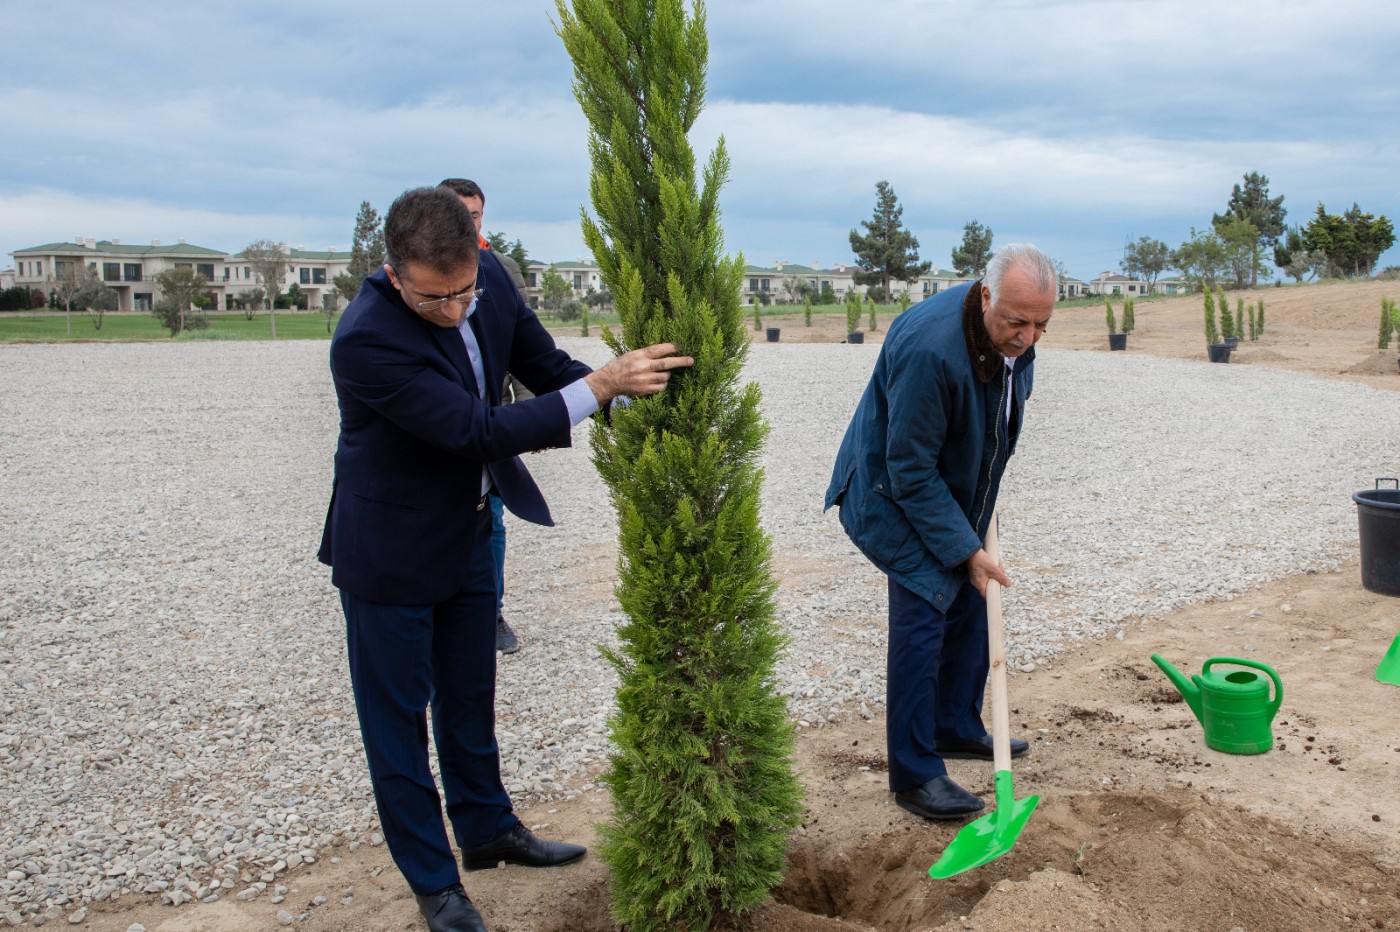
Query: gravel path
x=175 y=714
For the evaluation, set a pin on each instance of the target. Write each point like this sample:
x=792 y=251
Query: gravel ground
x=175 y=715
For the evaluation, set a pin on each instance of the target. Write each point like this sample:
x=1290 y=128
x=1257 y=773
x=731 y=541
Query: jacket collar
x=986 y=361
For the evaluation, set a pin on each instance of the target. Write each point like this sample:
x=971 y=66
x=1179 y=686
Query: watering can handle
x=1262 y=667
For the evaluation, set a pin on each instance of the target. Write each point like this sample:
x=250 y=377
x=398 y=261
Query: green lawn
x=49 y=327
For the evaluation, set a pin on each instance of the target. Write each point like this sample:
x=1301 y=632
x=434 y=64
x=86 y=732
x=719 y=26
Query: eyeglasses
x=464 y=298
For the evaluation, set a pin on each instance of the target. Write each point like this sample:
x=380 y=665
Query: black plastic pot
x=1232 y=342
x=1218 y=352
x=1117 y=341
x=773 y=334
x=855 y=336
x=1378 y=520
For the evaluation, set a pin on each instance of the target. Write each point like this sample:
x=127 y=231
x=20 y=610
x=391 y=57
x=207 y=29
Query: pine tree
x=887 y=252
x=704 y=795
x=367 y=245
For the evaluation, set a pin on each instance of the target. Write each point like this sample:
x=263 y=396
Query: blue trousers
x=403 y=659
x=498 y=546
x=935 y=675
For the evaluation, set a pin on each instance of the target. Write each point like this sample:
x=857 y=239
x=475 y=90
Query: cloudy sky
x=1074 y=124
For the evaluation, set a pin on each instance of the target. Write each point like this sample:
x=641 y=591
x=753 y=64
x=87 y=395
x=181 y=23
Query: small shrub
x=1212 y=331
x=1108 y=315
x=807 y=311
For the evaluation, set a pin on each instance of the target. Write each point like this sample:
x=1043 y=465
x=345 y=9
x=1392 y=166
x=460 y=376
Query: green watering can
x=1234 y=708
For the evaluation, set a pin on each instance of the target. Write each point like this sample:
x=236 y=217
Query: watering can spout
x=1189 y=691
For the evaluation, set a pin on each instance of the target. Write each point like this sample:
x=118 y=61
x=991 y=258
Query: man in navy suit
x=418 y=361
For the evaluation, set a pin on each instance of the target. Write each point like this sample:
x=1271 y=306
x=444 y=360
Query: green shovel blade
x=989 y=837
x=1389 y=669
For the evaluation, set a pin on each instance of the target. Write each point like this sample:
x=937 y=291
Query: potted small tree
x=1116 y=340
x=1216 y=349
x=853 y=334
x=1129 y=318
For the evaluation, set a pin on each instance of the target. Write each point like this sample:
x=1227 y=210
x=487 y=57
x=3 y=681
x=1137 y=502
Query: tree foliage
x=887 y=252
x=268 y=260
x=1291 y=253
x=972 y=256
x=554 y=292
x=78 y=285
x=181 y=297
x=366 y=246
x=1240 y=242
x=1251 y=203
x=1201 y=258
x=1352 y=242
x=1146 y=259
x=704 y=796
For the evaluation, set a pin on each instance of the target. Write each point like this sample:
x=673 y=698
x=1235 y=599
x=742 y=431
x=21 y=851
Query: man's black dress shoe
x=450 y=910
x=520 y=846
x=978 y=748
x=939 y=798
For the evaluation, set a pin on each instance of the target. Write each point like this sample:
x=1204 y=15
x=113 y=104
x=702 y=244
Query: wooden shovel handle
x=996 y=651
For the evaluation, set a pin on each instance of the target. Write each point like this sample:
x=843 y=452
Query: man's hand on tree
x=643 y=371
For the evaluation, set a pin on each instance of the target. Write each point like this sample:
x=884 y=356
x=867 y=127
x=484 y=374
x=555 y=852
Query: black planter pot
x=1218 y=352
x=1232 y=342
x=1117 y=341
x=773 y=334
x=1378 y=519
x=855 y=336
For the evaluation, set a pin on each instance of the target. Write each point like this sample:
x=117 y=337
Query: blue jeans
x=936 y=673
x=498 y=546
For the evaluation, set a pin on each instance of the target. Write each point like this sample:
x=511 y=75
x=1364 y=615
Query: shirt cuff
x=580 y=401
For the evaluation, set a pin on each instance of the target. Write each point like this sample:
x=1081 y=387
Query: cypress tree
x=703 y=791
x=852 y=312
x=1129 y=321
x=1261 y=317
x=1212 y=331
x=757 y=315
x=1387 y=325
x=1253 y=324
x=871 y=324
x=807 y=311
x=1108 y=313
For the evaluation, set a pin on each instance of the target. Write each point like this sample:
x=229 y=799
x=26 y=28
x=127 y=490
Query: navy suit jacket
x=415 y=435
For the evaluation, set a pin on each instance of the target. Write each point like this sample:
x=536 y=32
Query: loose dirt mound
x=1165 y=861
x=1382 y=362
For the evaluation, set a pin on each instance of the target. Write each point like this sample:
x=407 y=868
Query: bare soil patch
x=1140 y=826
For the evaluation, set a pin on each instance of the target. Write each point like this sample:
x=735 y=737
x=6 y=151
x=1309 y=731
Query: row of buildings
x=130 y=270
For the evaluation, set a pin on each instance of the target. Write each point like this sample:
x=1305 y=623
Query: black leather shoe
x=978 y=748
x=939 y=798
x=450 y=910
x=506 y=641
x=520 y=846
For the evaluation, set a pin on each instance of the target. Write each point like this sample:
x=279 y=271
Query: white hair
x=1035 y=263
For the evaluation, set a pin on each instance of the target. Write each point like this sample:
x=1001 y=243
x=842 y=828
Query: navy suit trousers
x=935 y=675
x=404 y=659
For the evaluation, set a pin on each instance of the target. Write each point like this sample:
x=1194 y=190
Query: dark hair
x=463 y=188
x=430 y=227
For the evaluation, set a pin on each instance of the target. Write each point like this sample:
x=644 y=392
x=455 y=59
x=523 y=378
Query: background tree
x=1242 y=256
x=100 y=299
x=74 y=283
x=1146 y=259
x=330 y=306
x=181 y=296
x=1352 y=242
x=827 y=295
x=1291 y=253
x=704 y=796
x=972 y=256
x=1201 y=258
x=554 y=292
x=366 y=246
x=347 y=286
x=887 y=252
x=1251 y=202
x=516 y=249
x=268 y=260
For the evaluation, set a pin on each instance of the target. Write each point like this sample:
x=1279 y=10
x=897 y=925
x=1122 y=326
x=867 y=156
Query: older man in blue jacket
x=916 y=480
x=418 y=361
